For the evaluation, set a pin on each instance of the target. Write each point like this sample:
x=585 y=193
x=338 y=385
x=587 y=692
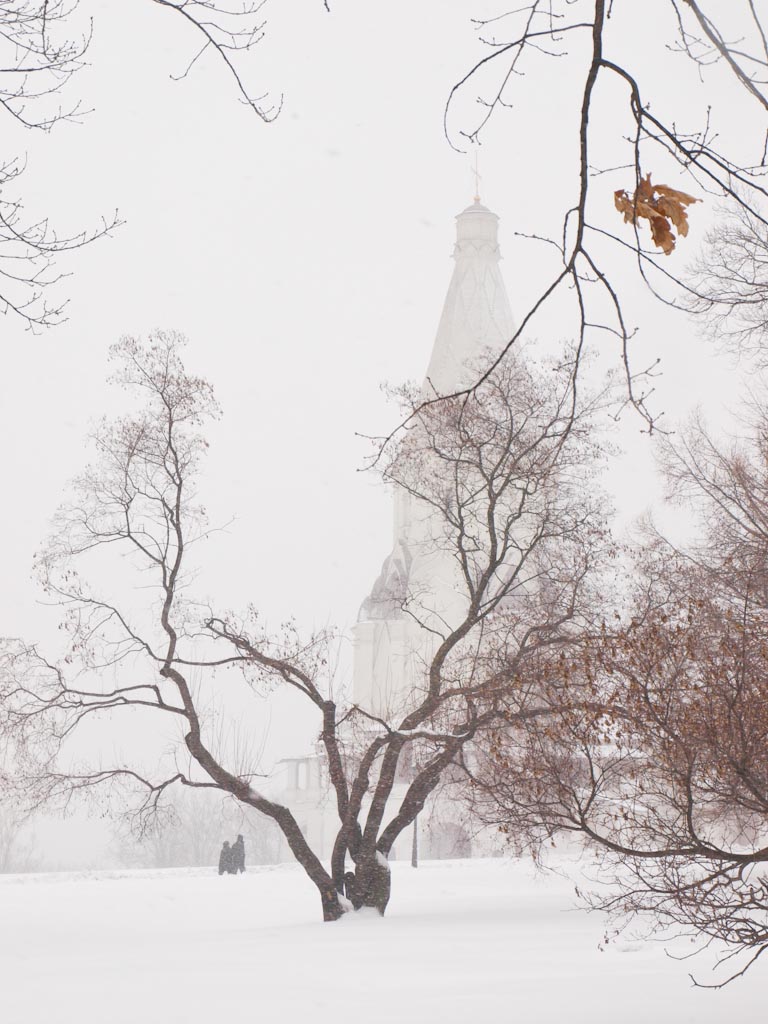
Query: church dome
x=477 y=207
x=479 y=225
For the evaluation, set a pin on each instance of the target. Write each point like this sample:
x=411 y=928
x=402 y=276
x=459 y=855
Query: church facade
x=416 y=593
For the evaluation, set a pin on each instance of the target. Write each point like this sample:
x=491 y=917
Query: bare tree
x=41 y=49
x=634 y=126
x=729 y=283
x=668 y=776
x=226 y=29
x=188 y=830
x=38 y=61
x=501 y=474
x=16 y=837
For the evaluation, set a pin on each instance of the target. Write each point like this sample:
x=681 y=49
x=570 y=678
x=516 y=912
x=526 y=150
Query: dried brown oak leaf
x=661 y=206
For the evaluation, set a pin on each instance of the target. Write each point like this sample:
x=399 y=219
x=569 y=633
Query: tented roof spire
x=476 y=314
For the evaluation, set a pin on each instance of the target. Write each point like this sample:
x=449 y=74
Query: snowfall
x=474 y=940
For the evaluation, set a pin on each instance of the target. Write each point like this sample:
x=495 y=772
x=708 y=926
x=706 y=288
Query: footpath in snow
x=463 y=941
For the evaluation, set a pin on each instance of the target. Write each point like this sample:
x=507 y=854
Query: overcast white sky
x=307 y=261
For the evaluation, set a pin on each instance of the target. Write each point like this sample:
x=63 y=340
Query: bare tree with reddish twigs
x=502 y=474
x=668 y=778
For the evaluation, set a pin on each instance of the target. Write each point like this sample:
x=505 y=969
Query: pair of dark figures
x=232 y=858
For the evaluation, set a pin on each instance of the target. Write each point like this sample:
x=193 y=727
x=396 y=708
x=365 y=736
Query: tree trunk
x=415 y=844
x=374 y=882
x=332 y=908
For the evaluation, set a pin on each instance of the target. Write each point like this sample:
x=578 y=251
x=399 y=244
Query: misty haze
x=384 y=616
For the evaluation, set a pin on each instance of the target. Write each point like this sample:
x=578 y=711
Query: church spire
x=391 y=646
x=476 y=314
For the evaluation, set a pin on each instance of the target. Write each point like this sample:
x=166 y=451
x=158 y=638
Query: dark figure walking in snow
x=226 y=862
x=238 y=855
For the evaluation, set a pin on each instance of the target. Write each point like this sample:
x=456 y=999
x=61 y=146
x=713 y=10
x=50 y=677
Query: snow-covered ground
x=463 y=941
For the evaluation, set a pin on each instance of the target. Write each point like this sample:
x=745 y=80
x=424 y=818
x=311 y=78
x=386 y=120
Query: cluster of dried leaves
x=661 y=205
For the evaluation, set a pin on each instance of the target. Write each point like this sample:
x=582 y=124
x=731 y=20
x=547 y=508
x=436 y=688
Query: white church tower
x=418 y=581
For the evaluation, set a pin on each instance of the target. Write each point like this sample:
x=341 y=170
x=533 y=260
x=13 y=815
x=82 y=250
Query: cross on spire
x=477 y=176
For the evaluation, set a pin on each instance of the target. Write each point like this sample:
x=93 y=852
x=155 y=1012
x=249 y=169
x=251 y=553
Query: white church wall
x=421 y=575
